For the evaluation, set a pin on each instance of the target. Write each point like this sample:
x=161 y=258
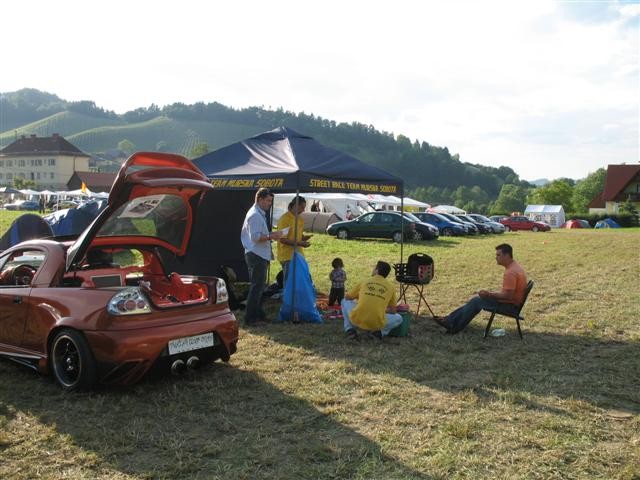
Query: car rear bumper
x=125 y=356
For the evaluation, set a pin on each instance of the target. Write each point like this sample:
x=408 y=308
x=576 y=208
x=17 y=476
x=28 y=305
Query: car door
x=376 y=225
x=14 y=301
x=521 y=223
x=361 y=227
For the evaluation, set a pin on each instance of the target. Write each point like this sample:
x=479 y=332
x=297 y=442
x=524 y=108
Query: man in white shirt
x=256 y=240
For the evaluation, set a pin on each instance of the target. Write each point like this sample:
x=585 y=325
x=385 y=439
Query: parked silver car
x=495 y=226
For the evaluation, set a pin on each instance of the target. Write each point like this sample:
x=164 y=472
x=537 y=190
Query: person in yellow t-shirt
x=286 y=243
x=375 y=309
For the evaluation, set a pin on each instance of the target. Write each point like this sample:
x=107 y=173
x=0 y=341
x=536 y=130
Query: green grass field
x=300 y=401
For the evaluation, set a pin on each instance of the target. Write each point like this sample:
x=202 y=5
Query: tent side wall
x=215 y=240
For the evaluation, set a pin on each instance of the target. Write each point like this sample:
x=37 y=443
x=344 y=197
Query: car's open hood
x=152 y=202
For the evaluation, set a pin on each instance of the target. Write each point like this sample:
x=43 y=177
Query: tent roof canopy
x=543 y=209
x=285 y=161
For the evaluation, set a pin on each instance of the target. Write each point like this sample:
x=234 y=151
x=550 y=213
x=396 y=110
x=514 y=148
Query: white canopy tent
x=344 y=205
x=551 y=214
x=447 y=209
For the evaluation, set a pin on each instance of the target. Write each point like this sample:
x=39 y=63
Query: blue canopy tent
x=282 y=160
x=287 y=161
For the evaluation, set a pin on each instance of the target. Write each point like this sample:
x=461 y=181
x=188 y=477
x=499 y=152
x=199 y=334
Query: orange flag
x=83 y=188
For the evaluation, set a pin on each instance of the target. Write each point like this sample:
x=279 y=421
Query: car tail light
x=129 y=301
x=222 y=296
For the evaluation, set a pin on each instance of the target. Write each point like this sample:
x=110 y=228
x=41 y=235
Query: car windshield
x=412 y=217
x=481 y=218
x=160 y=216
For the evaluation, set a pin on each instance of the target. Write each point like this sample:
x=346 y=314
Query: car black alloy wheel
x=73 y=365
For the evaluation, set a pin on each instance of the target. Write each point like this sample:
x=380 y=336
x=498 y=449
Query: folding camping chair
x=512 y=314
x=417 y=272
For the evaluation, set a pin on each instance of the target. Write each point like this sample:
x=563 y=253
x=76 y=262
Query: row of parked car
x=414 y=226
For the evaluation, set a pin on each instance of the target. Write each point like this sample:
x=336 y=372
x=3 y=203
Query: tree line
x=431 y=173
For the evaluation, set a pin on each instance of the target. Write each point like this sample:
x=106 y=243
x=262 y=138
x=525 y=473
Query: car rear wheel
x=342 y=234
x=447 y=232
x=74 y=367
x=534 y=229
x=507 y=228
x=397 y=237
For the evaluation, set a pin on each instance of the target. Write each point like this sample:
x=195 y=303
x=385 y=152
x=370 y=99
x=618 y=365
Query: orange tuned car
x=103 y=308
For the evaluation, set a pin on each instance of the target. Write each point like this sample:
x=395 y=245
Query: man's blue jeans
x=461 y=317
x=257 y=267
x=393 y=319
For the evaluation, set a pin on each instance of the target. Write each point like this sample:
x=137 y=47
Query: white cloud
x=526 y=84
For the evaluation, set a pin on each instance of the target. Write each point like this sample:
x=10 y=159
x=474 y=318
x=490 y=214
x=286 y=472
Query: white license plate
x=187 y=344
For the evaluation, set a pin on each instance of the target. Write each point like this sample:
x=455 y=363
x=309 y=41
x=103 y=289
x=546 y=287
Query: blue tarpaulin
x=299 y=294
x=74 y=221
x=25 y=227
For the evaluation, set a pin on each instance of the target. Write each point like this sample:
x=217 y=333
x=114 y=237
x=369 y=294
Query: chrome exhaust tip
x=178 y=367
x=193 y=362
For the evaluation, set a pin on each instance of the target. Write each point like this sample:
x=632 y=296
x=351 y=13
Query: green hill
x=430 y=172
x=65 y=123
x=179 y=136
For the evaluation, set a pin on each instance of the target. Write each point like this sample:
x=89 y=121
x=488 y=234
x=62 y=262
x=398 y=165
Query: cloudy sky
x=549 y=88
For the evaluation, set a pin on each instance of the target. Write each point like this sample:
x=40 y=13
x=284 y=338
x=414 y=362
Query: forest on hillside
x=431 y=173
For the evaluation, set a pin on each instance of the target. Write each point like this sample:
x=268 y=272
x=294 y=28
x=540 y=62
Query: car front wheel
x=342 y=234
x=74 y=367
x=447 y=232
x=534 y=229
x=417 y=236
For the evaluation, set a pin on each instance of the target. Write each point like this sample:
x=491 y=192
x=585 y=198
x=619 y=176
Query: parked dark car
x=482 y=228
x=523 y=223
x=471 y=228
x=424 y=230
x=29 y=205
x=496 y=227
x=446 y=227
x=374 y=225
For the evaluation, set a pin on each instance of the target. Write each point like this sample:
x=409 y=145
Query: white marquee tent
x=551 y=214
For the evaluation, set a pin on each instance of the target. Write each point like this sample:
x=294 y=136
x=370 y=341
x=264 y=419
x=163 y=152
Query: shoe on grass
x=352 y=334
x=442 y=321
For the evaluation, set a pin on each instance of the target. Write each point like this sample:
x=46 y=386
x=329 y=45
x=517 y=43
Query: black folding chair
x=508 y=311
x=417 y=272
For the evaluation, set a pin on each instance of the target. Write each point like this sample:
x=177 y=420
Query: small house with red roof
x=621 y=183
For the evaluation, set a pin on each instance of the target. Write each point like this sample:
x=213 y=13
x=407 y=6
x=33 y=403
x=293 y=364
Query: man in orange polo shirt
x=514 y=284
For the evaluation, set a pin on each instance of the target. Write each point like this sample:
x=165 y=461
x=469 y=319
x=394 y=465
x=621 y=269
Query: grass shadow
x=218 y=422
x=603 y=373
